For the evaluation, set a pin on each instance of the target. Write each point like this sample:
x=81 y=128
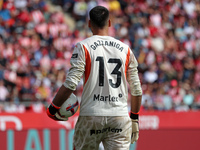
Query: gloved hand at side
x=135 y=127
x=135 y=130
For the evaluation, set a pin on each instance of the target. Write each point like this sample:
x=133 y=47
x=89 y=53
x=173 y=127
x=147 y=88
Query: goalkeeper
x=106 y=65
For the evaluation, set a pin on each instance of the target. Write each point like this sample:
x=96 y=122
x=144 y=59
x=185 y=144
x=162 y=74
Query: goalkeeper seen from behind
x=105 y=64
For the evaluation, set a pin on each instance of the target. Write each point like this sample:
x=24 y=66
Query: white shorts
x=113 y=131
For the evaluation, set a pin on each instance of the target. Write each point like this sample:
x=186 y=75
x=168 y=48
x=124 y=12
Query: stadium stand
x=36 y=42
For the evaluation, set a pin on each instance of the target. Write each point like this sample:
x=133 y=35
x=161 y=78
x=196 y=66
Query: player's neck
x=101 y=32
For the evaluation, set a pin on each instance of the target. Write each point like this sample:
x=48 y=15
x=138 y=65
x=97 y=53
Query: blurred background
x=37 y=38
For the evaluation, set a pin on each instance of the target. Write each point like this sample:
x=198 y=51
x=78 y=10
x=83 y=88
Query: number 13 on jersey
x=115 y=71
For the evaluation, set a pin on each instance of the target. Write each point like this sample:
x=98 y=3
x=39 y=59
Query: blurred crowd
x=36 y=44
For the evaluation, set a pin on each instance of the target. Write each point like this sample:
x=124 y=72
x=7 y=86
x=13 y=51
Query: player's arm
x=136 y=96
x=74 y=75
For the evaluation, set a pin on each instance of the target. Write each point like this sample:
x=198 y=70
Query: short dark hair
x=99 y=16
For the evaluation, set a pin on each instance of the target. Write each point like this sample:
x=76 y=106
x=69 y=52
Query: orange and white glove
x=135 y=127
x=52 y=112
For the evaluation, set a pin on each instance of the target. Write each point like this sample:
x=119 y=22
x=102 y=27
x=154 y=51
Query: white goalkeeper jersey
x=106 y=65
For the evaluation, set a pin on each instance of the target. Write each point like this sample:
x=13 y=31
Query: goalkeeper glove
x=52 y=112
x=135 y=127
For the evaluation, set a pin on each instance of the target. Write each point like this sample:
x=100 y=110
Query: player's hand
x=52 y=112
x=135 y=130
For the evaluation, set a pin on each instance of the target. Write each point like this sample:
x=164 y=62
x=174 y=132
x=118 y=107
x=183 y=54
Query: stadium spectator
x=4 y=91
